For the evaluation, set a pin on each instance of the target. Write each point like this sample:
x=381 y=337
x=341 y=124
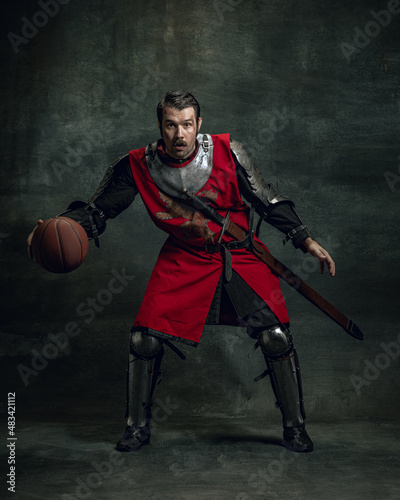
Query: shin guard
x=284 y=371
x=143 y=374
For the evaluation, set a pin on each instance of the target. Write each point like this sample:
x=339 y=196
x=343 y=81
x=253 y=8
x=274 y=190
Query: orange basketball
x=59 y=245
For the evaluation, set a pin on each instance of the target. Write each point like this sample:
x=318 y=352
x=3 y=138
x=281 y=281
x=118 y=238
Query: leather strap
x=174 y=348
x=231 y=245
x=293 y=232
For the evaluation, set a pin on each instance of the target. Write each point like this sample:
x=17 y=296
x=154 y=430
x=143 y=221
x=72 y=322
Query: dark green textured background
x=103 y=66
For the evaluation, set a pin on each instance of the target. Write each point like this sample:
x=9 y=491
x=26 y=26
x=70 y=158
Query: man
x=202 y=275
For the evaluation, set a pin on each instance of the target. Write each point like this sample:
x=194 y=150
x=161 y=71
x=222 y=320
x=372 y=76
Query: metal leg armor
x=284 y=371
x=144 y=372
x=145 y=355
x=283 y=367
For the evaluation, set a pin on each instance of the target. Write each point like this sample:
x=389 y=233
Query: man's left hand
x=321 y=254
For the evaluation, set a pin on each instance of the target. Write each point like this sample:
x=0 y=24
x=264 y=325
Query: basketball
x=59 y=245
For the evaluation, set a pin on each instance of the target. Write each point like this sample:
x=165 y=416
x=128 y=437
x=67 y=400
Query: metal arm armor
x=266 y=193
x=278 y=210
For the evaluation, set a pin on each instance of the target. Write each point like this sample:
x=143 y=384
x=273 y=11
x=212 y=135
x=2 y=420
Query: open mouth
x=179 y=147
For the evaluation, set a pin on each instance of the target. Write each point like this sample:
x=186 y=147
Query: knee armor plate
x=276 y=341
x=145 y=345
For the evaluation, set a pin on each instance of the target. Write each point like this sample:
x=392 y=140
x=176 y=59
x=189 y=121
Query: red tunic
x=185 y=277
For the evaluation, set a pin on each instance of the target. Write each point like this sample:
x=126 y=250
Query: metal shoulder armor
x=266 y=193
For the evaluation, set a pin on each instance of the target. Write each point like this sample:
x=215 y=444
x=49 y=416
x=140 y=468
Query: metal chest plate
x=193 y=176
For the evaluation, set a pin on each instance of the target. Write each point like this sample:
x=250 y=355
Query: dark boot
x=297 y=439
x=133 y=438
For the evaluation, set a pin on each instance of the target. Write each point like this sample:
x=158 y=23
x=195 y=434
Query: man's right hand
x=29 y=240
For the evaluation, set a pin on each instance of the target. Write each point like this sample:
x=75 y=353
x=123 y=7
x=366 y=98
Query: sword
x=280 y=269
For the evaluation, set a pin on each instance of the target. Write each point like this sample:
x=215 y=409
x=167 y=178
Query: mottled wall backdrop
x=311 y=88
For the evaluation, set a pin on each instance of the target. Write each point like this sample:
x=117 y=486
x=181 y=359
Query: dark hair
x=178 y=99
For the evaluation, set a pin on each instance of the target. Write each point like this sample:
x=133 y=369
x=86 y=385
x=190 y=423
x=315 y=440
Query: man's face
x=179 y=130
